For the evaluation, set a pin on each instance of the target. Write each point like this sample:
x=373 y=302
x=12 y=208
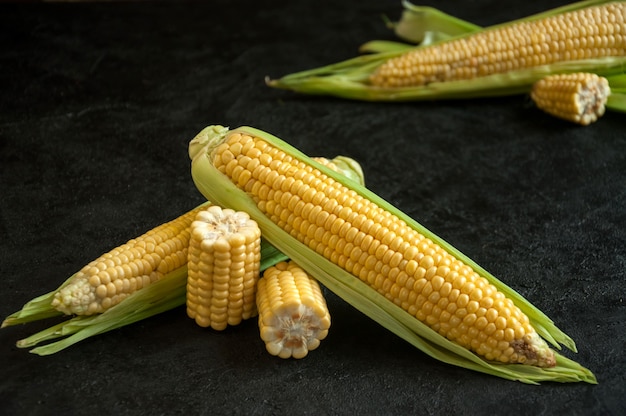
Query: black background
x=97 y=107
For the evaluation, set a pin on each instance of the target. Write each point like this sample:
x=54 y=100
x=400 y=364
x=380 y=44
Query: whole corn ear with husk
x=505 y=59
x=379 y=260
x=165 y=294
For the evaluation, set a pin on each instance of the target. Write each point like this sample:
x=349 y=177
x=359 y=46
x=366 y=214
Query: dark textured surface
x=98 y=104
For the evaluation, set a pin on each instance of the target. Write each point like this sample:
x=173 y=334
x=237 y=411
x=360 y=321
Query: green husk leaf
x=36 y=309
x=617 y=102
x=349 y=79
x=383 y=46
x=617 y=99
x=425 y=25
x=218 y=188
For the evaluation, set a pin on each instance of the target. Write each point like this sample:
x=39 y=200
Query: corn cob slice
x=380 y=260
x=505 y=59
x=580 y=97
x=224 y=263
x=293 y=316
x=106 y=281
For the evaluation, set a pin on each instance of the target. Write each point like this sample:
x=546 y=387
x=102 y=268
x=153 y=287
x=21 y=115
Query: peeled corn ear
x=106 y=281
x=293 y=316
x=378 y=259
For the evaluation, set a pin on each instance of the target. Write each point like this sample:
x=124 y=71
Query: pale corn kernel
x=432 y=272
x=564 y=37
x=224 y=263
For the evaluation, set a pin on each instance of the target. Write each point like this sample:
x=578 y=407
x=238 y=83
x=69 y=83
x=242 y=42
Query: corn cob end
x=578 y=97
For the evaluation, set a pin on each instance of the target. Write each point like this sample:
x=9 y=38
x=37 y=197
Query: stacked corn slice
x=379 y=260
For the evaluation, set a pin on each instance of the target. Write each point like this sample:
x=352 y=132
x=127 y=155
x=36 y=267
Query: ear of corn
x=462 y=67
x=293 y=315
x=163 y=295
x=360 y=262
x=223 y=268
x=579 y=97
x=106 y=281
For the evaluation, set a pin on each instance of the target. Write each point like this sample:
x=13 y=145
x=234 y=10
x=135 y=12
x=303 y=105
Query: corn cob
x=381 y=261
x=580 y=97
x=293 y=316
x=504 y=59
x=224 y=263
x=106 y=281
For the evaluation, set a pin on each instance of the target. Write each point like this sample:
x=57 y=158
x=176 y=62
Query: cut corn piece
x=223 y=268
x=293 y=315
x=106 y=281
x=380 y=260
x=580 y=97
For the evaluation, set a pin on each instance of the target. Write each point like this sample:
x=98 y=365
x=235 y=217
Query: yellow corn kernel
x=578 y=97
x=376 y=246
x=106 y=281
x=293 y=316
x=587 y=33
x=223 y=268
